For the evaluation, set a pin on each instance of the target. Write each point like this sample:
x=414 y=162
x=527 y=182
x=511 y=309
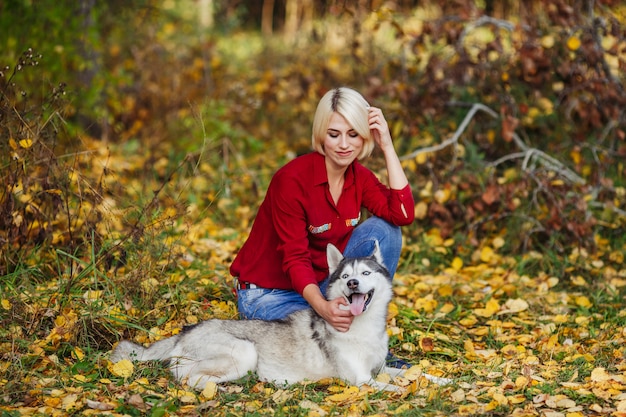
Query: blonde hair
x=353 y=107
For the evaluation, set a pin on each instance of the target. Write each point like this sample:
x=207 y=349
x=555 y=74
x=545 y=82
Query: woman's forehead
x=338 y=122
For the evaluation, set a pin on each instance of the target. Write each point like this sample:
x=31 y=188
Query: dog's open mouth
x=359 y=302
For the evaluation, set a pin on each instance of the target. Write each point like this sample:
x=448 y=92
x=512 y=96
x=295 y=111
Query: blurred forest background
x=521 y=102
x=137 y=139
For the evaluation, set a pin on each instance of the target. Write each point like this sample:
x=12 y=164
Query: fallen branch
x=455 y=138
x=533 y=155
x=529 y=154
x=482 y=21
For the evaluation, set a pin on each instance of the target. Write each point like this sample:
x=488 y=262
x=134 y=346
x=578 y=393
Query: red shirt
x=286 y=248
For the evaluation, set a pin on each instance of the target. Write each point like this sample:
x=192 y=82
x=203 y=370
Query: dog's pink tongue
x=358 y=304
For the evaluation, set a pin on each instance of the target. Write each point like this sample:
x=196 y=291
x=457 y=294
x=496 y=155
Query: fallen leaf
x=512 y=306
x=573 y=43
x=347 y=394
x=210 y=390
x=123 y=368
x=136 y=401
x=490 y=309
x=26 y=143
x=99 y=405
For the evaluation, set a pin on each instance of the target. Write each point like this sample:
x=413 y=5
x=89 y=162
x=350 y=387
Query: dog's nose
x=353 y=284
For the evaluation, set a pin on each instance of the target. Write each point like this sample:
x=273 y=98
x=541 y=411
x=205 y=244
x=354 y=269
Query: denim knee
x=389 y=239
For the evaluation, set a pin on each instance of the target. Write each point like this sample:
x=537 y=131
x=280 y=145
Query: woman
x=316 y=199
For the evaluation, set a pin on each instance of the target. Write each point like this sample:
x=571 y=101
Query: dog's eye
x=344 y=276
x=366 y=272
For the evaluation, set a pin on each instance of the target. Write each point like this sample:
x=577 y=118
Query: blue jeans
x=271 y=304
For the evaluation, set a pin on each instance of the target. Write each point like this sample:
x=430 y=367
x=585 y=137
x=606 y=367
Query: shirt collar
x=319 y=171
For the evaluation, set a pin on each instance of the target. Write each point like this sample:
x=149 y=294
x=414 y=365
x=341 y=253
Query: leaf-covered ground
x=514 y=339
x=512 y=279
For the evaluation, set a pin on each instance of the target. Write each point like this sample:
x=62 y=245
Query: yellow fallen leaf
x=468 y=321
x=442 y=196
x=500 y=398
x=78 y=353
x=521 y=382
x=445 y=291
x=314 y=409
x=52 y=401
x=498 y=242
x=421 y=210
x=69 y=402
x=282 y=396
x=26 y=143
x=13 y=144
x=547 y=41
x=573 y=43
x=421 y=158
x=80 y=378
x=457 y=263
x=413 y=373
x=486 y=254
x=383 y=377
x=6 y=304
x=92 y=295
x=490 y=309
x=514 y=306
x=583 y=301
x=123 y=368
x=509 y=350
x=210 y=390
x=447 y=308
x=182 y=395
x=458 y=396
x=471 y=409
x=348 y=393
x=600 y=375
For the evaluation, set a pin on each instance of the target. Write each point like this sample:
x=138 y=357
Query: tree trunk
x=267 y=17
x=206 y=14
x=292 y=9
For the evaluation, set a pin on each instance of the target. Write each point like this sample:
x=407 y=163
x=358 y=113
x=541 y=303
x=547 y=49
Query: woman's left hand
x=379 y=128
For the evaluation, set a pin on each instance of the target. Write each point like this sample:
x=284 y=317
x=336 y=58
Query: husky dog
x=303 y=346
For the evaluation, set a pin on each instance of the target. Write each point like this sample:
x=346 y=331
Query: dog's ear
x=334 y=257
x=377 y=253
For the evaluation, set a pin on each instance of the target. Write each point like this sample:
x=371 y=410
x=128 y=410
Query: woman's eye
x=333 y=135
x=354 y=135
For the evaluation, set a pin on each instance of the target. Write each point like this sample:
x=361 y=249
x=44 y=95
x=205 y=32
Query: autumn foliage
x=123 y=202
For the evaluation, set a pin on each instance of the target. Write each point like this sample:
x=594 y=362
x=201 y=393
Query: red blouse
x=286 y=248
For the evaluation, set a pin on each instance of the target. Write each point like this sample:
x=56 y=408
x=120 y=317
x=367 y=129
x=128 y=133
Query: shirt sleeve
x=394 y=206
x=289 y=218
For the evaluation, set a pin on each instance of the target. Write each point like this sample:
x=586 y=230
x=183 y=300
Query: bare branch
x=482 y=21
x=455 y=138
x=529 y=154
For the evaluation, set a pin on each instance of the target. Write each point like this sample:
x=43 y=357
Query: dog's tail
x=161 y=350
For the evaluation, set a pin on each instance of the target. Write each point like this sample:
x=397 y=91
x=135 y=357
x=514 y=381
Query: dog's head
x=361 y=281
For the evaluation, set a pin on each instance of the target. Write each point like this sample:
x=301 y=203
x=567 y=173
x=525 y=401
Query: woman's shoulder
x=362 y=172
x=300 y=165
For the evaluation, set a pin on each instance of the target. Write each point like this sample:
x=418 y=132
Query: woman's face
x=342 y=143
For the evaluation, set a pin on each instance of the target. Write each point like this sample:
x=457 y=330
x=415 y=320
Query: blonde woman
x=317 y=199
